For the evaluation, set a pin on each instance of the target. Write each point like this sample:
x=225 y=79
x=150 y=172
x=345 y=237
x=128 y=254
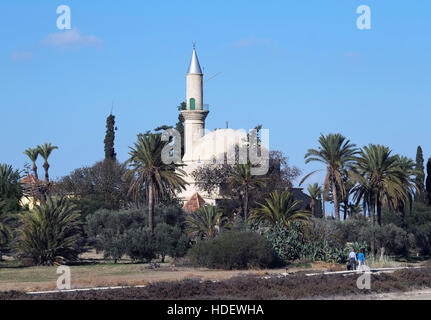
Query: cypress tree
x=110 y=137
x=420 y=173
x=428 y=181
x=180 y=125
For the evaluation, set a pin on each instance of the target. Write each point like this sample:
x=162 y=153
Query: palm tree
x=151 y=174
x=349 y=184
x=48 y=234
x=380 y=179
x=362 y=191
x=45 y=151
x=205 y=222
x=337 y=154
x=32 y=154
x=354 y=209
x=315 y=192
x=5 y=230
x=10 y=188
x=245 y=181
x=279 y=208
x=409 y=182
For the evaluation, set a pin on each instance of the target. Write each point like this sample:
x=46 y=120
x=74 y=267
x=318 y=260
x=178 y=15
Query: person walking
x=361 y=258
x=352 y=260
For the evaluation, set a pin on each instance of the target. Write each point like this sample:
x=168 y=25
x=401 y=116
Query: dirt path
x=424 y=294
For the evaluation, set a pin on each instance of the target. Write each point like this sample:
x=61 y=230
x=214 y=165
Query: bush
x=351 y=230
x=288 y=244
x=113 y=244
x=119 y=233
x=233 y=250
x=423 y=238
x=140 y=244
x=170 y=241
x=419 y=224
x=393 y=239
x=319 y=241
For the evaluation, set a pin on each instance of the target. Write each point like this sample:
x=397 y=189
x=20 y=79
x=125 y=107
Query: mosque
x=200 y=146
x=204 y=147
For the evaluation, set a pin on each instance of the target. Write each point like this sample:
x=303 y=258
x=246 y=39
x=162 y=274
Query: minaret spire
x=194 y=67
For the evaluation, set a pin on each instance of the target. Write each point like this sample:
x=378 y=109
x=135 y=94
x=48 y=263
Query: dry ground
x=43 y=278
x=99 y=273
x=402 y=284
x=423 y=294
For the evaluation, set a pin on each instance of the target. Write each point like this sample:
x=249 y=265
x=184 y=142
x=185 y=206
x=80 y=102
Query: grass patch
x=10 y=264
x=384 y=262
x=13 y=272
x=300 y=265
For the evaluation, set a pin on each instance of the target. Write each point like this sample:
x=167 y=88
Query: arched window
x=192 y=104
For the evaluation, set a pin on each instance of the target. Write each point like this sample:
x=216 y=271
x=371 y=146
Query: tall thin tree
x=110 y=137
x=409 y=182
x=420 y=174
x=45 y=151
x=428 y=182
x=32 y=154
x=179 y=126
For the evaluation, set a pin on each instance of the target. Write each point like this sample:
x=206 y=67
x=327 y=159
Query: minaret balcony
x=205 y=107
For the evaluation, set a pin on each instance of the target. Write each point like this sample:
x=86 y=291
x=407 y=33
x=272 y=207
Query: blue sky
x=299 y=68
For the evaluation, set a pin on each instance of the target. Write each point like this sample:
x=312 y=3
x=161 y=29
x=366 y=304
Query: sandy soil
x=424 y=294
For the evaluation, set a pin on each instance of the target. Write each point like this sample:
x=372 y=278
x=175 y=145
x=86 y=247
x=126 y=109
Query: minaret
x=194 y=115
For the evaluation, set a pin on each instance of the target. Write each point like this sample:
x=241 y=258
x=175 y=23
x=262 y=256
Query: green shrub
x=113 y=245
x=393 y=239
x=140 y=244
x=318 y=241
x=233 y=250
x=357 y=246
x=351 y=230
x=423 y=238
x=124 y=232
x=170 y=240
x=288 y=244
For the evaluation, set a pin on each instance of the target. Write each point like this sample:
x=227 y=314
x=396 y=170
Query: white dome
x=214 y=145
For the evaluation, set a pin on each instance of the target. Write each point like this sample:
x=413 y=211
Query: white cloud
x=70 y=38
x=21 y=55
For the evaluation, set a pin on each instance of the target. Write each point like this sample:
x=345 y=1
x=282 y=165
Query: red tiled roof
x=30 y=179
x=194 y=203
